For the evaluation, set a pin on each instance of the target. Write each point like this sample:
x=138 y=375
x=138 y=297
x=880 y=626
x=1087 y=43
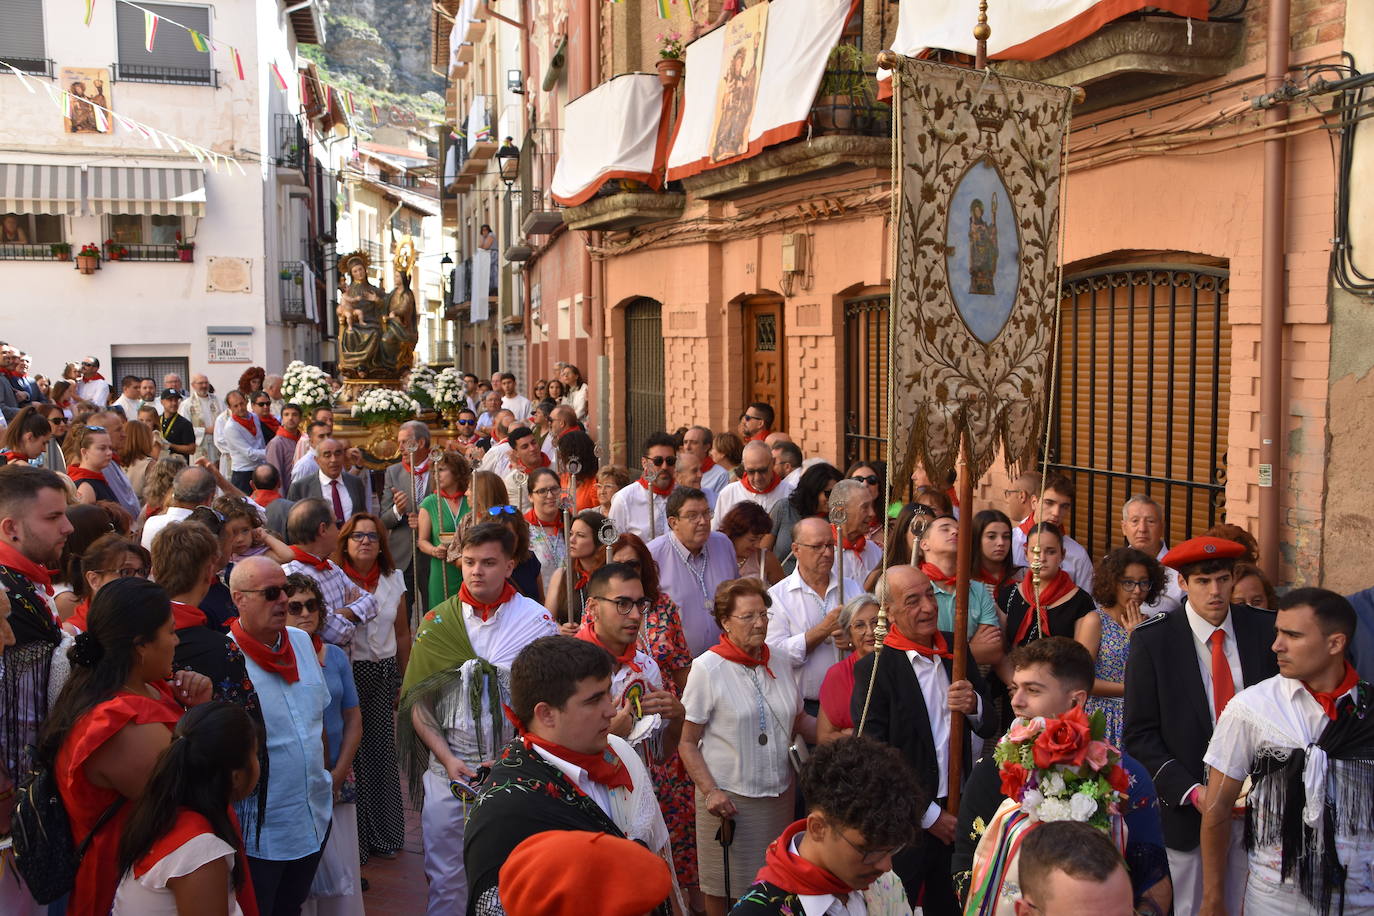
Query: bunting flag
x=238 y=62
x=150 y=30
x=376 y=115
x=23 y=80
x=66 y=105
x=276 y=73
x=102 y=123
x=90 y=10
x=198 y=40
x=352 y=109
x=664 y=9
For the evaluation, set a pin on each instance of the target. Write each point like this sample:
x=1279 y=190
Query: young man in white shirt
x=1055 y=504
x=129 y=400
x=641 y=508
x=517 y=404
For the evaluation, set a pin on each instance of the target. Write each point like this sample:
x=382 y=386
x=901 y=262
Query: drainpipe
x=1273 y=295
x=597 y=349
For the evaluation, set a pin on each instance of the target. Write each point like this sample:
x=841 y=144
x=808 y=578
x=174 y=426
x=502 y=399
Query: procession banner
x=974 y=292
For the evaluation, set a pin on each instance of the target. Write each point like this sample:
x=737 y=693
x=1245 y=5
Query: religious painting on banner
x=737 y=91
x=975 y=291
x=85 y=87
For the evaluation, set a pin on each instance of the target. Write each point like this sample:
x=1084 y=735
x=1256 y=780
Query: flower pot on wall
x=186 y=254
x=87 y=263
x=670 y=72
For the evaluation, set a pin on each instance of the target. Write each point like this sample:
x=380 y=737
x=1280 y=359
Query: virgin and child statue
x=377 y=331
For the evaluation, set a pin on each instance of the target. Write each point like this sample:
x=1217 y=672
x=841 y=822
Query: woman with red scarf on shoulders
x=1060 y=606
x=93 y=453
x=112 y=719
x=742 y=715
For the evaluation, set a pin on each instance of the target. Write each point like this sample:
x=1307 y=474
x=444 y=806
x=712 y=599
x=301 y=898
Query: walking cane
x=725 y=836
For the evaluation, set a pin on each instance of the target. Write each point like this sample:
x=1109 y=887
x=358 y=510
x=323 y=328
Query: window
x=153 y=367
x=29 y=236
x=143 y=238
x=21 y=36
x=174 y=59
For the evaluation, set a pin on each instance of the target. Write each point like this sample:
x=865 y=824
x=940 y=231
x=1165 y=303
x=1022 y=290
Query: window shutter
x=172 y=49
x=21 y=32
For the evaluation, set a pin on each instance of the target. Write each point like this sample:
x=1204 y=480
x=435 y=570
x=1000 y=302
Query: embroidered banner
x=974 y=292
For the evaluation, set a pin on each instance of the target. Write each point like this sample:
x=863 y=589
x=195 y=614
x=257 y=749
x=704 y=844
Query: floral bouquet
x=420 y=385
x=449 y=391
x=384 y=405
x=306 y=386
x=1061 y=769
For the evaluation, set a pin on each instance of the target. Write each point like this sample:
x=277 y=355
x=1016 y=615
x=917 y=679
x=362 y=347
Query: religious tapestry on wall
x=974 y=291
x=87 y=98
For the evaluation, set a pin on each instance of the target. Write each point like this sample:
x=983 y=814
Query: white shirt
x=630 y=511
x=1202 y=631
x=1076 y=563
x=857 y=566
x=306 y=465
x=497 y=460
x=733 y=493
x=714 y=480
x=635 y=811
x=376 y=640
x=327 y=486
x=201 y=411
x=853 y=903
x=1172 y=596
x=548 y=449
x=95 y=390
x=130 y=406
x=930 y=672
x=793 y=477
x=149 y=894
x=155 y=524
x=517 y=404
x=796 y=609
x=245 y=452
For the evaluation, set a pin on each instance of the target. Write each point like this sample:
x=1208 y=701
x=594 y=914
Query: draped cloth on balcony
x=797 y=40
x=975 y=290
x=618 y=130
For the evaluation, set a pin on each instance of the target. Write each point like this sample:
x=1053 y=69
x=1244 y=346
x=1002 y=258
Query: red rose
x=1119 y=781
x=1064 y=740
x=1013 y=780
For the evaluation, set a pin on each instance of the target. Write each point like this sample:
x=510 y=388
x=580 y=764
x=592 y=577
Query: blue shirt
x=981 y=608
x=338 y=674
x=300 y=792
x=1362 y=646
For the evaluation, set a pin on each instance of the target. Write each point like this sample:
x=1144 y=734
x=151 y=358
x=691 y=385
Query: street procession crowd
x=720 y=681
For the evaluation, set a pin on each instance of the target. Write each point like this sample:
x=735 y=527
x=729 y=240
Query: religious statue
x=982 y=254
x=377 y=333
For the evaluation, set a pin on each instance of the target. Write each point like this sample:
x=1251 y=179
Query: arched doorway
x=644 y=413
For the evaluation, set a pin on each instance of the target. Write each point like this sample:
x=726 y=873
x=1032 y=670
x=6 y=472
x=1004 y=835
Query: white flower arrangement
x=384 y=405
x=419 y=384
x=306 y=386
x=449 y=391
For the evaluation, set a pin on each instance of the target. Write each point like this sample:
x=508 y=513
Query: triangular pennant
x=276 y=73
x=150 y=21
x=102 y=123
x=23 y=80
x=238 y=62
x=90 y=10
x=198 y=40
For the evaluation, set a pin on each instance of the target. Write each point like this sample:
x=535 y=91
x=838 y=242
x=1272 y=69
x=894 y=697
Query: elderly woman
x=746 y=525
x=858 y=620
x=742 y=715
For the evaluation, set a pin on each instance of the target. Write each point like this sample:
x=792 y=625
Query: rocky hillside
x=380 y=50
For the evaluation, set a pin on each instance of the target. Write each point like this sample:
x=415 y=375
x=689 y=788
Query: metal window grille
x=174 y=59
x=865 y=379
x=153 y=367
x=21 y=36
x=644 y=410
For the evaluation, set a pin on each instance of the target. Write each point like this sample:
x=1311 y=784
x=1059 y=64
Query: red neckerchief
x=456 y=497
x=485 y=610
x=556 y=526
x=570 y=429
x=605 y=768
x=795 y=875
x=291 y=435
x=772 y=483
x=1027 y=524
x=588 y=634
x=987 y=578
x=78 y=618
x=953 y=497
x=1051 y=593
x=13 y=559
x=187 y=826
x=898 y=640
x=317 y=642
x=6 y=456
x=95 y=378
x=543 y=463
x=582 y=576
x=759 y=436
x=415 y=472
x=187 y=615
x=246 y=422
x=366 y=580
x=309 y=559
x=495 y=441
x=76 y=472
x=857 y=545
x=277 y=661
x=272 y=423
x=733 y=653
x=937 y=575
x=707 y=463
x=265 y=498
x=11 y=373
x=1328 y=700
x=657 y=492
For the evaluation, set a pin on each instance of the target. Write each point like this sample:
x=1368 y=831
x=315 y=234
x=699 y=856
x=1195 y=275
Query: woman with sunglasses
x=92 y=452
x=541 y=390
x=379 y=652
x=545 y=518
x=441 y=515
x=1124 y=580
x=338 y=873
x=527 y=577
x=588 y=555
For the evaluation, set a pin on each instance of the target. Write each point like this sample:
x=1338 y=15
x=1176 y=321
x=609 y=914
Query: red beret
x=556 y=873
x=1200 y=550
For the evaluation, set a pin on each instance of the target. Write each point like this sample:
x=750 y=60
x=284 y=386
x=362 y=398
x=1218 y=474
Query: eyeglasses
x=271 y=593
x=300 y=607
x=547 y=491
x=693 y=518
x=827 y=547
x=126 y=572
x=871 y=857
x=751 y=619
x=1014 y=492
x=364 y=536
x=501 y=510
x=625 y=605
x=863 y=626
x=660 y=460
x=1135 y=585
x=870 y=479
x=759 y=471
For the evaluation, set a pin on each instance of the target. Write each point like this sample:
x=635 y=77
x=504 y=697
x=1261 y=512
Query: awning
x=165 y=192
x=27 y=188
x=618 y=130
x=797 y=41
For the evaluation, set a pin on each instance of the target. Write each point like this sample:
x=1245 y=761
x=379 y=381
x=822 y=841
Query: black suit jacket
x=1167 y=720
x=308 y=487
x=897 y=713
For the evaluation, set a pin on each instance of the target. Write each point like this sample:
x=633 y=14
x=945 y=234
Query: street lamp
x=508 y=161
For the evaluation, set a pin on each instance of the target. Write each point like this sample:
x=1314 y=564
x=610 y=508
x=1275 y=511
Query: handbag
x=798 y=753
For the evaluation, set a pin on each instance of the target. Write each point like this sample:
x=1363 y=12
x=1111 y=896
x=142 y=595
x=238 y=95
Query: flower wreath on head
x=1052 y=770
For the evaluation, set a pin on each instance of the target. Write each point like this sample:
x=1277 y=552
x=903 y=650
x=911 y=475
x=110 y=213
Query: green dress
x=442 y=521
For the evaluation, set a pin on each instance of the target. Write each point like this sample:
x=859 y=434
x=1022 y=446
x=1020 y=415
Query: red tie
x=338 y=503
x=1223 y=688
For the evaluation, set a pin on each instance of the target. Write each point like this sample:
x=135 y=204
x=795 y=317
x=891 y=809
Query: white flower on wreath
x=1053 y=809
x=1052 y=784
x=1031 y=802
x=1082 y=806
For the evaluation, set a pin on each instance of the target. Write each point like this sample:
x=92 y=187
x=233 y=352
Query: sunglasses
x=870 y=479
x=271 y=593
x=660 y=460
x=501 y=510
x=300 y=607
x=96 y=429
x=467 y=422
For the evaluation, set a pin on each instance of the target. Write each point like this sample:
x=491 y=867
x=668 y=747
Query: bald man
x=759 y=482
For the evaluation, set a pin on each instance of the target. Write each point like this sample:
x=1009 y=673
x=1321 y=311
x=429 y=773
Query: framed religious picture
x=737 y=91
x=85 y=88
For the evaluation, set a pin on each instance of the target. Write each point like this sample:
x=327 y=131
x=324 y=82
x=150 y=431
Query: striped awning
x=27 y=188
x=165 y=192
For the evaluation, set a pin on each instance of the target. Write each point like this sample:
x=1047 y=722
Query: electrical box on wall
x=794 y=252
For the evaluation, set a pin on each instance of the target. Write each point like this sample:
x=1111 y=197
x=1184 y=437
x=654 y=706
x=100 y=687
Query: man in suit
x=912 y=698
x=343 y=492
x=411 y=479
x=1184 y=666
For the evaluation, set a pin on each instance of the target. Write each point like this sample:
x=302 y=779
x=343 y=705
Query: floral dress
x=1111 y=666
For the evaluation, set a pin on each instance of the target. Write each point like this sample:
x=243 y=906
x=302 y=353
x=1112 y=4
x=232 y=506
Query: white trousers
x=442 y=821
x=1185 y=868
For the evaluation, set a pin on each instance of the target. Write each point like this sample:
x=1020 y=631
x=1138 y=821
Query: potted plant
x=61 y=250
x=115 y=252
x=670 y=53
x=185 y=250
x=844 y=88
x=88 y=258
x=284 y=273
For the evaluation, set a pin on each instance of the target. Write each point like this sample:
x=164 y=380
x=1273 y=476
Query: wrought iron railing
x=37 y=251
x=440 y=351
x=115 y=251
x=38 y=66
x=290 y=151
x=291 y=291
x=156 y=73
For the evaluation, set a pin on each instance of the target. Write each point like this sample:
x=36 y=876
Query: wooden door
x=764 y=377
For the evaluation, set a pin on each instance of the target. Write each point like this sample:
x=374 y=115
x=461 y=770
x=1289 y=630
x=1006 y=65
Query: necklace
x=758 y=691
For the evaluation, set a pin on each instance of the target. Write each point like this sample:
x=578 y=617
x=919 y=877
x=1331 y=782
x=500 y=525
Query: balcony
x=518 y=251
x=1133 y=58
x=476 y=29
x=291 y=291
x=289 y=150
x=617 y=207
x=114 y=251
